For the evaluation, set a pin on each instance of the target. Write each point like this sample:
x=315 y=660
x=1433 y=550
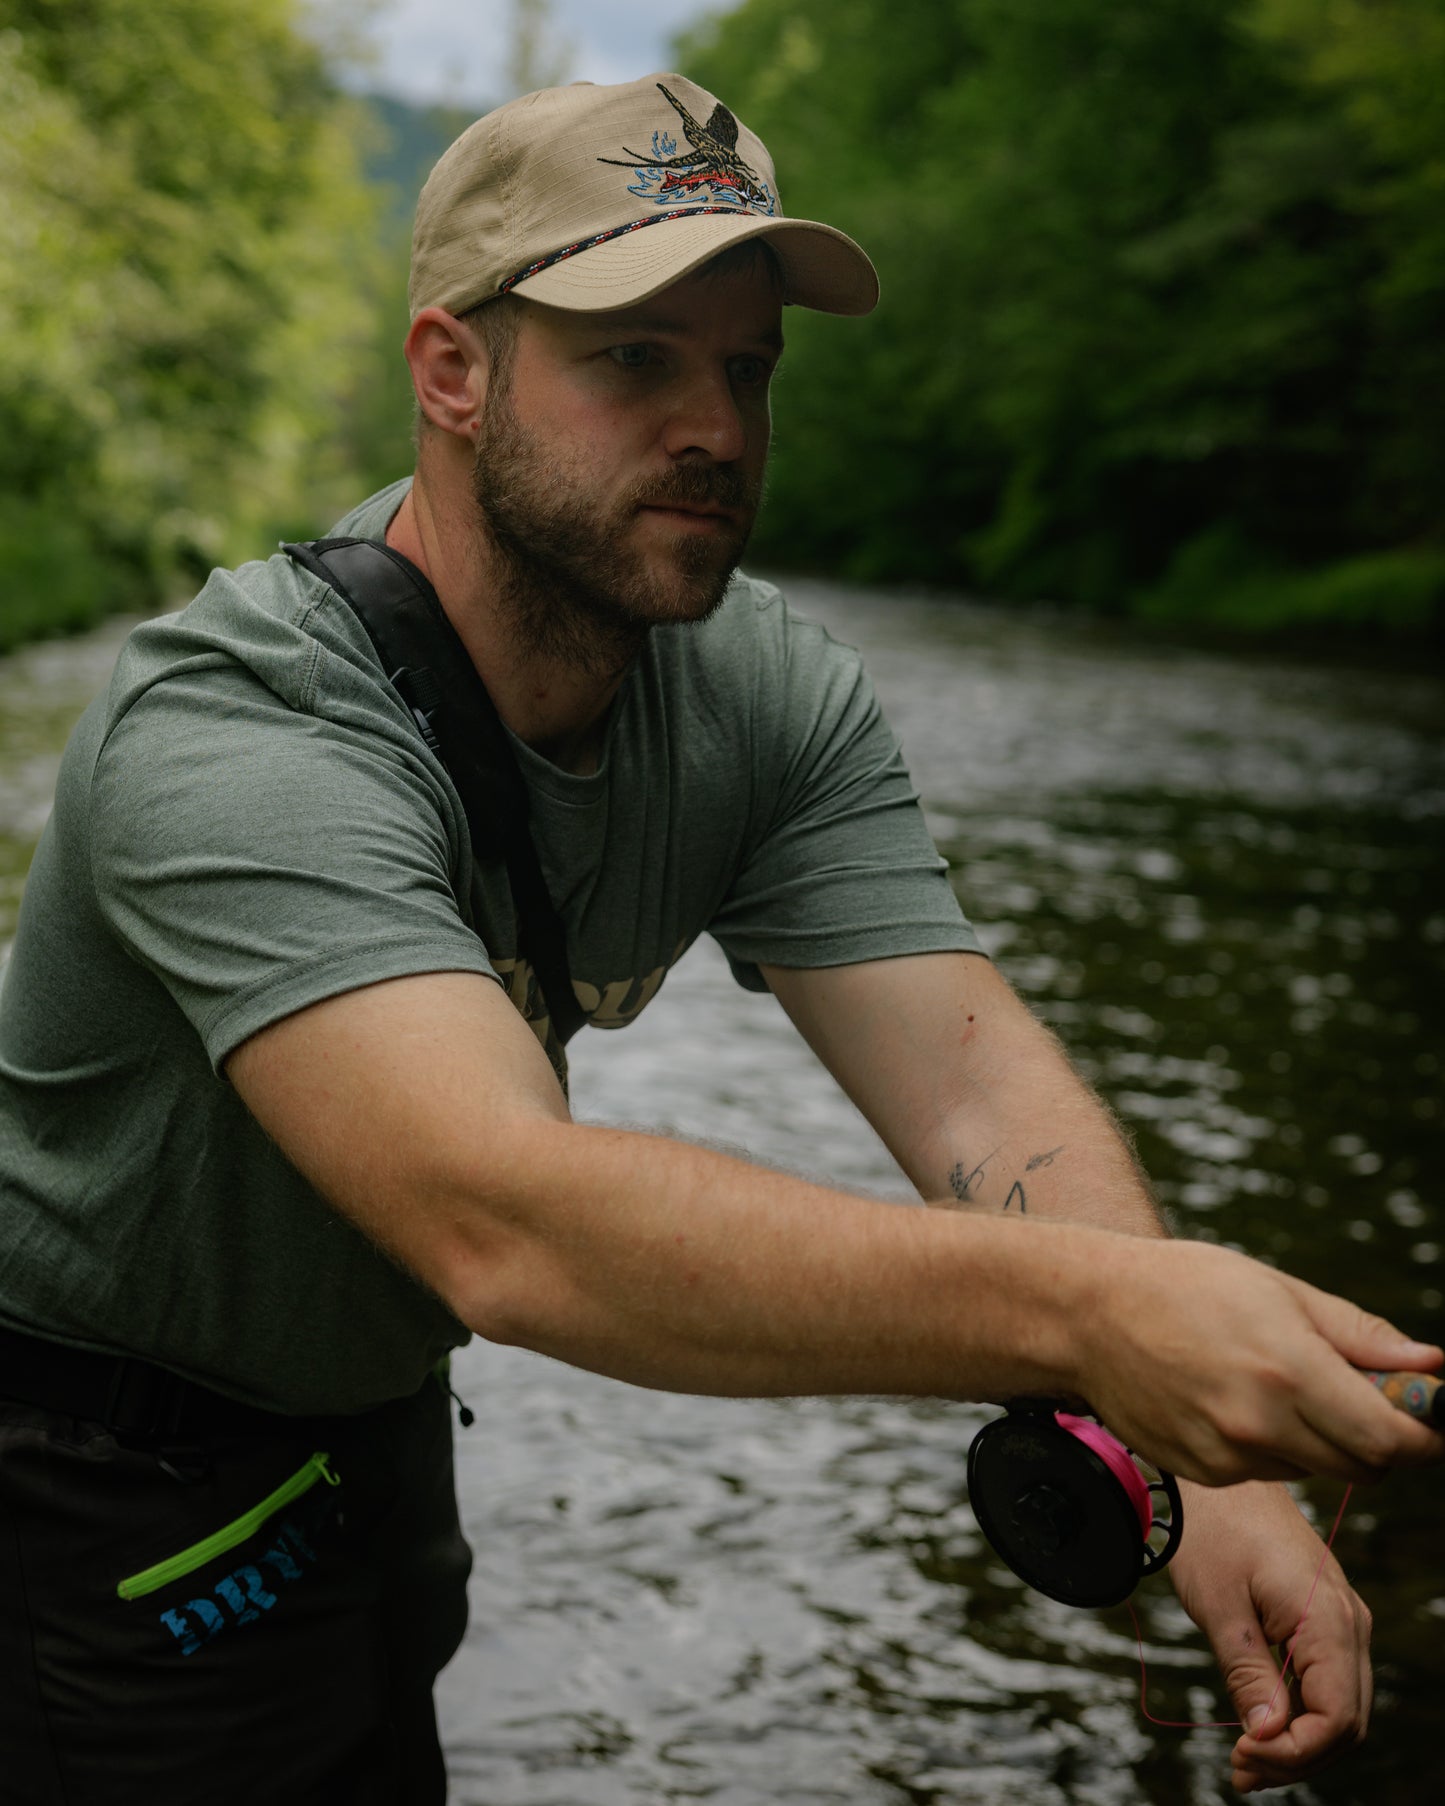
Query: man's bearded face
x=588 y=551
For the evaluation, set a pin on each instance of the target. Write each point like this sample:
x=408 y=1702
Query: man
x=282 y=1119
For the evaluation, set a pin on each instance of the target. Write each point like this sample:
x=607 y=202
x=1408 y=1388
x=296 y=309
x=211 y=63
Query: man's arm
x=974 y=1097
x=977 y=1102
x=424 y=1109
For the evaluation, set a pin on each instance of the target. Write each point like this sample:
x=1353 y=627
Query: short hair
x=751 y=256
x=495 y=322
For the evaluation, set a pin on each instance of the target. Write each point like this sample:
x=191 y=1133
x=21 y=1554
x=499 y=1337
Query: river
x=1221 y=878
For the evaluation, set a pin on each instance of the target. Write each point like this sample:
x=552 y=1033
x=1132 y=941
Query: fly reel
x=1074 y=1513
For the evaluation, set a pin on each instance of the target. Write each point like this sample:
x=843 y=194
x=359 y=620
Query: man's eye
x=631 y=357
x=751 y=371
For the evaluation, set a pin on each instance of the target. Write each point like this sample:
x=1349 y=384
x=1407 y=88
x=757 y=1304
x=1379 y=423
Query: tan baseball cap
x=592 y=198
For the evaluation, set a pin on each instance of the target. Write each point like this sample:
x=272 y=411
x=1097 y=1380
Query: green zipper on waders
x=175 y=1567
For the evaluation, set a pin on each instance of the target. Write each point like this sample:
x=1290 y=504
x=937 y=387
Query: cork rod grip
x=1416 y=1394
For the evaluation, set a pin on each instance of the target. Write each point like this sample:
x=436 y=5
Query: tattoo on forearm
x=961 y=1183
x=1043 y=1159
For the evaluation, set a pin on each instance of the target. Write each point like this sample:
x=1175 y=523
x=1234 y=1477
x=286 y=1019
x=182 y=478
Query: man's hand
x=1243 y=1573
x=1214 y=1366
x=1221 y=1369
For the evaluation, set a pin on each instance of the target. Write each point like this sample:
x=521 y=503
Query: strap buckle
x=142 y=1402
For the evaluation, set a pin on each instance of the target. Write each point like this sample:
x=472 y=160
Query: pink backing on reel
x=1071 y=1510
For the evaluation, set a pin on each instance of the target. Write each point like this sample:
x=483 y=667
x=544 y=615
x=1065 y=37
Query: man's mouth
x=703 y=513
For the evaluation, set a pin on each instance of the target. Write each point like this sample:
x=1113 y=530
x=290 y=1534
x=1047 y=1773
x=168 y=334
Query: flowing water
x=1220 y=877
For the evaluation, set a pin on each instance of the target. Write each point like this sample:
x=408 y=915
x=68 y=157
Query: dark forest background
x=1163 y=328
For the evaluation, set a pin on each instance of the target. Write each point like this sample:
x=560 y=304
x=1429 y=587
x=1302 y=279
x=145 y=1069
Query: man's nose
x=705 y=417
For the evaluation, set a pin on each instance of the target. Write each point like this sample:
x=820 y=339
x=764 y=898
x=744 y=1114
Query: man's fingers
x=1362 y=1338
x=1313 y=1452
x=1253 y=1680
x=1329 y=1689
x=1369 y=1434
x=1303 y=1748
x=1254 y=1444
x=1296 y=1747
x=1380 y=1436
x=1344 y=1408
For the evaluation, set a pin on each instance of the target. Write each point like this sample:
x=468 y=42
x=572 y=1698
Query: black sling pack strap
x=428 y=667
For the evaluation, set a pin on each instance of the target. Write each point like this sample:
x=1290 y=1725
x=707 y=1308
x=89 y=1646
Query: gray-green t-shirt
x=249 y=822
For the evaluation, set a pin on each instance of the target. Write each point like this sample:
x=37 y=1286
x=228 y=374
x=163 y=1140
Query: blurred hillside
x=1163 y=327
x=399 y=144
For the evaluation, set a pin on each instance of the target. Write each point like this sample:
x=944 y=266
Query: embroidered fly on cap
x=594 y=198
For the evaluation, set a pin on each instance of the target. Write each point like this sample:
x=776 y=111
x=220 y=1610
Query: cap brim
x=822 y=267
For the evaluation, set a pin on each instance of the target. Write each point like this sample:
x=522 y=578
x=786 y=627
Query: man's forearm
x=671 y=1266
x=682 y=1268
x=1038 y=1143
x=974 y=1097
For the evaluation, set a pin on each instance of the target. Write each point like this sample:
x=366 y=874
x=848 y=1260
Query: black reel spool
x=1055 y=1511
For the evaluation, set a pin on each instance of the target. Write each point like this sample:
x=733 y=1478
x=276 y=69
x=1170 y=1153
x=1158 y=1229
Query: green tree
x=185 y=274
x=1162 y=286
x=399 y=143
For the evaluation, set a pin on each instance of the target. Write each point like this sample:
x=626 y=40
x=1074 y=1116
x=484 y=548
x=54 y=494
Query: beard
x=576 y=583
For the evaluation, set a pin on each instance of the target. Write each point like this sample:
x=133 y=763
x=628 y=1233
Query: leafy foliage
x=1164 y=295
x=399 y=144
x=185 y=275
x=1163 y=322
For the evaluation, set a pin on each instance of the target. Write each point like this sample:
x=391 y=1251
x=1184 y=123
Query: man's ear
x=448 y=371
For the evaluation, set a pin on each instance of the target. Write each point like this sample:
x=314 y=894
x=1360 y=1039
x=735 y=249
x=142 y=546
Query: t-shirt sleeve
x=843 y=868
x=257 y=858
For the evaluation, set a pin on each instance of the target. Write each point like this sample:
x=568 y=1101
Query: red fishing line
x=1121 y=1464
x=1235 y=1724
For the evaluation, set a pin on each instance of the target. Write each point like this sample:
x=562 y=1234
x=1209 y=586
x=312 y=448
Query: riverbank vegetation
x=182 y=228
x=1163 y=326
x=1164 y=297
